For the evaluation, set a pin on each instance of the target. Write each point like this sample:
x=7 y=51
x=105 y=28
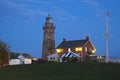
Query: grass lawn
x=61 y=71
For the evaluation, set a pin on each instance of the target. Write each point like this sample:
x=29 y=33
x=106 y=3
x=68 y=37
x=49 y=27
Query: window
x=79 y=49
x=59 y=50
x=86 y=49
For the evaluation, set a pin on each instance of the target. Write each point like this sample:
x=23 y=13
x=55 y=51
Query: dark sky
x=21 y=23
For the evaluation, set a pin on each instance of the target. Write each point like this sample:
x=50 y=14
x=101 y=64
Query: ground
x=61 y=71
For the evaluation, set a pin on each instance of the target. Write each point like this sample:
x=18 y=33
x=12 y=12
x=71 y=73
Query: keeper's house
x=84 y=48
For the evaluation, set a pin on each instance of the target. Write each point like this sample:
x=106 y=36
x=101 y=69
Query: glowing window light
x=86 y=49
x=59 y=50
x=93 y=51
x=79 y=49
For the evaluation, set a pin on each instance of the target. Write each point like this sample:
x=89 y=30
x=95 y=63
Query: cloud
x=35 y=8
x=91 y=2
x=10 y=4
x=98 y=10
x=41 y=2
x=37 y=2
x=28 y=10
x=26 y=7
x=66 y=16
x=63 y=14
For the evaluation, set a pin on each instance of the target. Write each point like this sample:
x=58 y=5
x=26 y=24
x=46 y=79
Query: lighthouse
x=48 y=47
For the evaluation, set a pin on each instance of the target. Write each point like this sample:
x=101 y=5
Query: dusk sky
x=21 y=23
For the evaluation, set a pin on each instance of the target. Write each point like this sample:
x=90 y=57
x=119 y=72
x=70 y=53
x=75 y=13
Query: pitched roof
x=72 y=44
x=70 y=54
x=26 y=55
x=15 y=55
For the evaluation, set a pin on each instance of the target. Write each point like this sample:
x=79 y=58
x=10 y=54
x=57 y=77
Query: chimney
x=64 y=39
x=87 y=37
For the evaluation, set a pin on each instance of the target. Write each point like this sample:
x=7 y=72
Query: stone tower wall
x=48 y=40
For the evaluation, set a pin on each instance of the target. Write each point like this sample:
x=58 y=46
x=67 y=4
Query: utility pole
x=107 y=15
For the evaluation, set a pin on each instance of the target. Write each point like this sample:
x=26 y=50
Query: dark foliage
x=4 y=53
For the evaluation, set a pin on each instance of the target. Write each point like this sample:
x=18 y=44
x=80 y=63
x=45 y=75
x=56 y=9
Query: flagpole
x=107 y=59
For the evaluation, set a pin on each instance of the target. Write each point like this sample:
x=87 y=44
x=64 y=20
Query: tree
x=4 y=53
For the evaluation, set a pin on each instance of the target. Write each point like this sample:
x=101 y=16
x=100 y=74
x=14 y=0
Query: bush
x=52 y=61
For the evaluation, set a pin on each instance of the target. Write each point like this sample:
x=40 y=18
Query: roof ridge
x=72 y=43
x=76 y=40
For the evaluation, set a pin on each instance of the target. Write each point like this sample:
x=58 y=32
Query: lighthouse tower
x=48 y=47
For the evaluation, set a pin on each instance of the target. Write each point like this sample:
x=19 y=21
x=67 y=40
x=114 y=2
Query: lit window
x=79 y=49
x=85 y=49
x=59 y=50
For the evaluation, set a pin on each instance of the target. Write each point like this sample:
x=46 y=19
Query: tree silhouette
x=4 y=53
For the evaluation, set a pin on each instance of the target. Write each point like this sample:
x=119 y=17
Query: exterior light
x=93 y=51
